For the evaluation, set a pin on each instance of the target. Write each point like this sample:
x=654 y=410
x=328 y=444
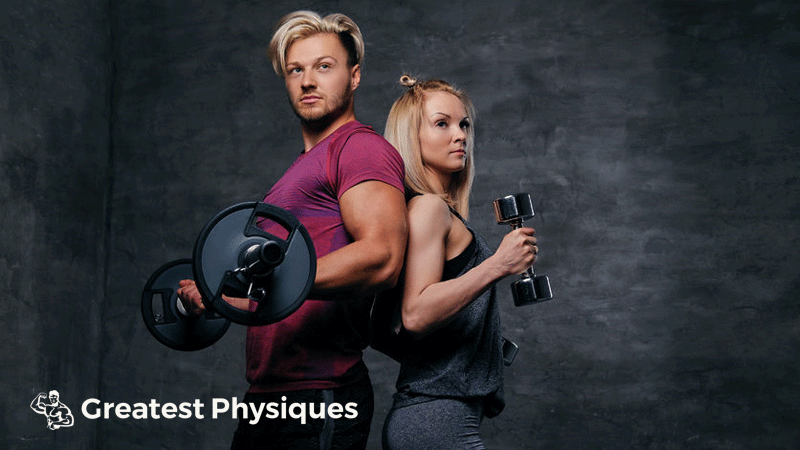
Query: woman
x=451 y=372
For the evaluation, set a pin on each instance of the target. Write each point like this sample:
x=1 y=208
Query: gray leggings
x=439 y=424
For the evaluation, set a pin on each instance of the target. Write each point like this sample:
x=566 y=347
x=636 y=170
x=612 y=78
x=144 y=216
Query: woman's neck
x=439 y=182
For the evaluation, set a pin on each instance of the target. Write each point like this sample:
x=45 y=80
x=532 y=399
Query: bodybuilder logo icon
x=57 y=413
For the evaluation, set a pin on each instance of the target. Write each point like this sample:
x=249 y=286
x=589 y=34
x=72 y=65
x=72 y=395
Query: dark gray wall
x=658 y=140
x=54 y=147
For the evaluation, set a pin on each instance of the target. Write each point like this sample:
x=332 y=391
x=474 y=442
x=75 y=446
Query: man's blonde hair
x=402 y=131
x=303 y=24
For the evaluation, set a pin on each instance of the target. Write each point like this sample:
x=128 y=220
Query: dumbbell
x=251 y=250
x=513 y=210
x=165 y=316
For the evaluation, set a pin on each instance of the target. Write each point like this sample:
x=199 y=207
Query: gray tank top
x=463 y=359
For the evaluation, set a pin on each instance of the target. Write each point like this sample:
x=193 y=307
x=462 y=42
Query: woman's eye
x=465 y=125
x=441 y=124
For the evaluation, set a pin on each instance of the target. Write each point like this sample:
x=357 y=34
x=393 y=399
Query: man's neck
x=315 y=132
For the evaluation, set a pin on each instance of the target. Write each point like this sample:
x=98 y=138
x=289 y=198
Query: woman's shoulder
x=428 y=208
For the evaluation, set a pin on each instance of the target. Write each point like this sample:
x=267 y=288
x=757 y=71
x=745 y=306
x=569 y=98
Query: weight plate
x=169 y=325
x=220 y=251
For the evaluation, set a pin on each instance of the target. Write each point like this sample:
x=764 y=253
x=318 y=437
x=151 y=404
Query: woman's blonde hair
x=303 y=24
x=402 y=131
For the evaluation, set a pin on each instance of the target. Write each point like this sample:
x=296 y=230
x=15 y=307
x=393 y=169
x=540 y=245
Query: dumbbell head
x=165 y=317
x=513 y=208
x=529 y=290
x=257 y=250
x=234 y=255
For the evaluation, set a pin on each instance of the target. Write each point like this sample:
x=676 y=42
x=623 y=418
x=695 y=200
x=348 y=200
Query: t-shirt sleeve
x=365 y=157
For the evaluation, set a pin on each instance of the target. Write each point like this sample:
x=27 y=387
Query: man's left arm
x=69 y=419
x=374 y=214
x=64 y=417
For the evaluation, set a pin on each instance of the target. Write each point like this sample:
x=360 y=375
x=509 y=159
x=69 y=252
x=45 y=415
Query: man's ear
x=355 y=77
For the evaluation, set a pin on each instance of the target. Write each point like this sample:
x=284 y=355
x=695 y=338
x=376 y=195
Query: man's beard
x=336 y=106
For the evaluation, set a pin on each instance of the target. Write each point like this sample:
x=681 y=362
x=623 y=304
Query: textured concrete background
x=658 y=139
x=54 y=159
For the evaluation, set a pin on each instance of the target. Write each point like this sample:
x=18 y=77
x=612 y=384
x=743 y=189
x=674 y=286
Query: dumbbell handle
x=512 y=210
x=530 y=272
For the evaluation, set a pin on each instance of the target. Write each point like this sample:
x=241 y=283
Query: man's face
x=318 y=80
x=53 y=398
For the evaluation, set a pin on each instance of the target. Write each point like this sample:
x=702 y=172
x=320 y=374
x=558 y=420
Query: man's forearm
x=361 y=268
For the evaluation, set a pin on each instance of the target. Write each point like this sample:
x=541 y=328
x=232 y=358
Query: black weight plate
x=166 y=323
x=220 y=250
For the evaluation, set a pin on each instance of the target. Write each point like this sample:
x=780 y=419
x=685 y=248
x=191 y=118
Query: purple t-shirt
x=319 y=346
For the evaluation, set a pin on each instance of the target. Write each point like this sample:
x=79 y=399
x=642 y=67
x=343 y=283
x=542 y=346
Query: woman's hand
x=517 y=252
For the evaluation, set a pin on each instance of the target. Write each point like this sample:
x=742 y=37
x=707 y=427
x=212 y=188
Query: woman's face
x=443 y=134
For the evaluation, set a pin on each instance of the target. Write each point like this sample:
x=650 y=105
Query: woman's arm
x=430 y=303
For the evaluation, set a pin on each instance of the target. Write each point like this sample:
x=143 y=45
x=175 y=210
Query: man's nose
x=308 y=79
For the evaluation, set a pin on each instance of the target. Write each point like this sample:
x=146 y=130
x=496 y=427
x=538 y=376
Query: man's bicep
x=374 y=209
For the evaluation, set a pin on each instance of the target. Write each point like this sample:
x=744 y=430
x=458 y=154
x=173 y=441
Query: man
x=346 y=187
x=57 y=413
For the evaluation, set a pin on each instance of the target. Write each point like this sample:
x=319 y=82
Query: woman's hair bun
x=407 y=81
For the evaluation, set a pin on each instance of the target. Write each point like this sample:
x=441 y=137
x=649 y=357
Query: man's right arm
x=374 y=214
x=36 y=404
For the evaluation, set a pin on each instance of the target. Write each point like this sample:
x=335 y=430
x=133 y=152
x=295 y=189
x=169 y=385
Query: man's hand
x=190 y=296
x=192 y=301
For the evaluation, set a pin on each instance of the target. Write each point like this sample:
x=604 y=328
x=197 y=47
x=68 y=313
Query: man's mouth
x=308 y=99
